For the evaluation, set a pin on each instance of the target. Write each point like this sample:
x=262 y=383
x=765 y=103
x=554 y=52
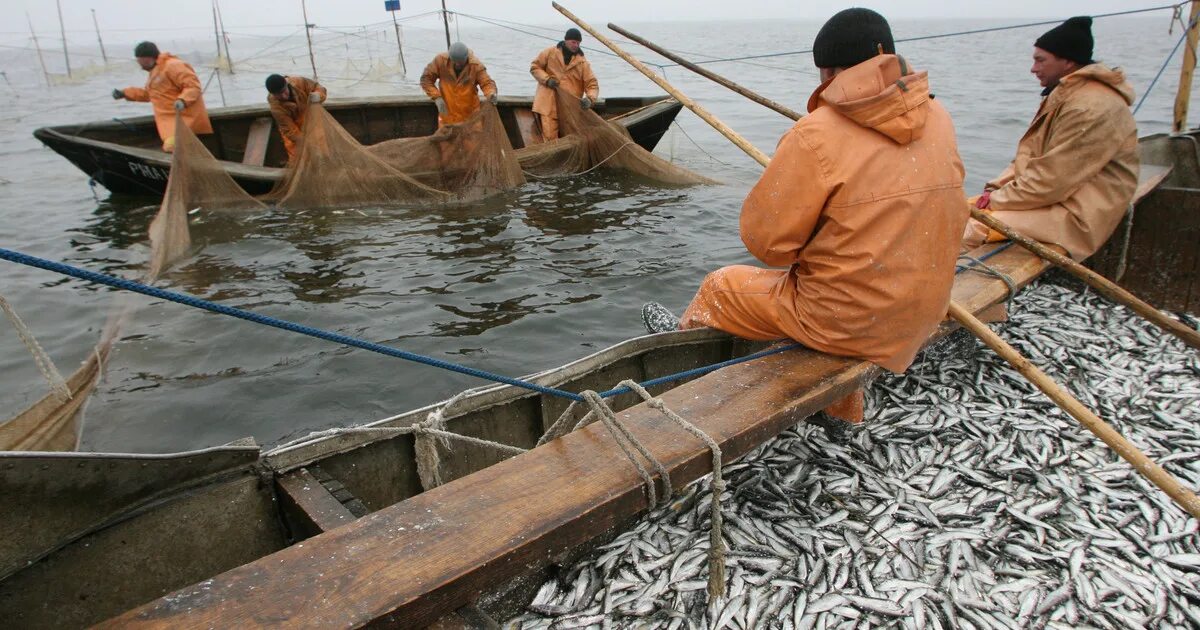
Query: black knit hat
x=146 y=49
x=1070 y=40
x=275 y=83
x=851 y=37
x=573 y=34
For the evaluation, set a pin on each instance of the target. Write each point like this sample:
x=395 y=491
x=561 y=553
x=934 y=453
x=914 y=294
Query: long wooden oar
x=1160 y=477
x=704 y=72
x=1098 y=282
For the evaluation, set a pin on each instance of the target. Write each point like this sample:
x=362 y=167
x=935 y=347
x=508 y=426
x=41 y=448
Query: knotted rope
x=46 y=366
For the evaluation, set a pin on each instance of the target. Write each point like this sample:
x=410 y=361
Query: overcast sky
x=146 y=19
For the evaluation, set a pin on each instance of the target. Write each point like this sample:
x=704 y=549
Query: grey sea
x=520 y=283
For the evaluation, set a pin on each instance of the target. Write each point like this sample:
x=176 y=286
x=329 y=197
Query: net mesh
x=588 y=142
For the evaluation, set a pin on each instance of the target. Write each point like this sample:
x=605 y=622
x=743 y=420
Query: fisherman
x=452 y=80
x=863 y=206
x=171 y=87
x=289 y=98
x=562 y=65
x=1077 y=166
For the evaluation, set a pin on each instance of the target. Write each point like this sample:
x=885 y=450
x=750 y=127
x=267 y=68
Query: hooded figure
x=172 y=86
x=564 y=67
x=451 y=80
x=862 y=207
x=1076 y=167
x=289 y=99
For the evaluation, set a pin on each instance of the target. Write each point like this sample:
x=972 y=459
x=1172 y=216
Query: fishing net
x=588 y=142
x=458 y=163
x=469 y=160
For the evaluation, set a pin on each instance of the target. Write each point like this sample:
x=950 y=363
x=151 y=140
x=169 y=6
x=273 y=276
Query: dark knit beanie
x=146 y=49
x=1070 y=40
x=573 y=35
x=275 y=83
x=851 y=37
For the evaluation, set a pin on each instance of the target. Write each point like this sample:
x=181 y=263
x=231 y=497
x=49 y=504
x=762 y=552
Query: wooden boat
x=339 y=530
x=125 y=155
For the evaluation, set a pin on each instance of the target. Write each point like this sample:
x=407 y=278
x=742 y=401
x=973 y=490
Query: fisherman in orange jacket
x=289 y=98
x=1077 y=166
x=562 y=66
x=862 y=207
x=452 y=79
x=171 y=87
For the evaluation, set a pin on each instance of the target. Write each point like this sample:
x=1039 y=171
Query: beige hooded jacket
x=1076 y=167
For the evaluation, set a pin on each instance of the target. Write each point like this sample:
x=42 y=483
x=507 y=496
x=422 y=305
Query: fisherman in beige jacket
x=1077 y=166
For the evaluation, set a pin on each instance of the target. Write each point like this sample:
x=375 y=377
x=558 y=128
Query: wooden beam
x=1183 y=96
x=309 y=506
x=414 y=562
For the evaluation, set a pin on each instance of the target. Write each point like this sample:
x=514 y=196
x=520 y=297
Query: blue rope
x=961 y=268
x=1161 y=69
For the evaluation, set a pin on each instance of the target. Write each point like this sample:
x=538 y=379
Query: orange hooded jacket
x=458 y=88
x=289 y=115
x=172 y=79
x=1076 y=167
x=576 y=78
x=863 y=202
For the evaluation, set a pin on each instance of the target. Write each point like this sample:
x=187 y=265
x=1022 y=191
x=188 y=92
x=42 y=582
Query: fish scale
x=968 y=501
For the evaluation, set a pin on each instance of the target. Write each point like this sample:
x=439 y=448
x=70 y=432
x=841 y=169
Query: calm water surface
x=521 y=283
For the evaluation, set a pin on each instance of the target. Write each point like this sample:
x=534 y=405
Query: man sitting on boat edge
x=289 y=98
x=171 y=87
x=1076 y=168
x=862 y=203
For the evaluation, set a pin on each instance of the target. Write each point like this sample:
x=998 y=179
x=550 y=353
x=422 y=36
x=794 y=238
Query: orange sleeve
x=287 y=127
x=782 y=210
x=486 y=84
x=320 y=89
x=537 y=68
x=428 y=79
x=185 y=79
x=591 y=86
x=136 y=94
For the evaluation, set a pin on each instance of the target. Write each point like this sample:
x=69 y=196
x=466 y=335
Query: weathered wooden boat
x=126 y=156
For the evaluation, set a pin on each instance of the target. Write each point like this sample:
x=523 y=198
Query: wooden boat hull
x=125 y=156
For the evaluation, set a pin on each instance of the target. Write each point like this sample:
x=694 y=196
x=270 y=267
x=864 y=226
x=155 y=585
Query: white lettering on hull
x=150 y=172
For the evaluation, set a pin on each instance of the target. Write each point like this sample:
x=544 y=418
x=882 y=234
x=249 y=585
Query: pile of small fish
x=969 y=500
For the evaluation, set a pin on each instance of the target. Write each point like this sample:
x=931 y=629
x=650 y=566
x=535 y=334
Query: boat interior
x=241 y=133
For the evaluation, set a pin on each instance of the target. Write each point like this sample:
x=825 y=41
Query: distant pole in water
x=1189 y=67
x=99 y=38
x=308 y=27
x=224 y=36
x=217 y=36
x=63 y=29
x=38 y=48
x=446 y=23
x=399 y=44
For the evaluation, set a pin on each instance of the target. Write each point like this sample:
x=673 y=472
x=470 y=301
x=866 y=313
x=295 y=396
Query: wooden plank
x=526 y=124
x=1150 y=176
x=414 y=562
x=310 y=508
x=256 y=142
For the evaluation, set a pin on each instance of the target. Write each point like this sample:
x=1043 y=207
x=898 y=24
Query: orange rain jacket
x=289 y=115
x=172 y=79
x=576 y=78
x=863 y=202
x=457 y=88
x=1076 y=168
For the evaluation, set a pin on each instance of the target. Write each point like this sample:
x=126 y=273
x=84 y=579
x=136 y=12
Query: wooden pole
x=1130 y=453
x=63 y=29
x=99 y=38
x=446 y=23
x=308 y=27
x=399 y=45
x=1098 y=282
x=782 y=109
x=733 y=136
x=224 y=36
x=1184 y=94
x=1124 y=448
x=38 y=48
x=217 y=36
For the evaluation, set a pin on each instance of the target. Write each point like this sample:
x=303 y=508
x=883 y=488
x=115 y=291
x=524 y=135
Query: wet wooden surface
x=414 y=562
